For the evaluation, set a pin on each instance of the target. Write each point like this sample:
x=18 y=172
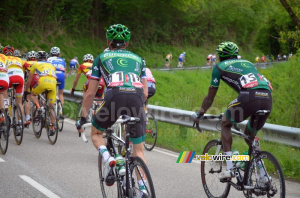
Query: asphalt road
x=69 y=169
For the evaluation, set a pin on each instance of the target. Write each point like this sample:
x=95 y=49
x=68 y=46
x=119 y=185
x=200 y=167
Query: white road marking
x=39 y=187
x=2 y=160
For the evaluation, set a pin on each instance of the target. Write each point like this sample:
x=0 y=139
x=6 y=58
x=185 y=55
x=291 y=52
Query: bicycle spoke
x=4 y=130
x=52 y=131
x=151 y=132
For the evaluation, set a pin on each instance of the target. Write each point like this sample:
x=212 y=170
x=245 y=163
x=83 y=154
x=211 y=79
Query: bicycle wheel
x=59 y=115
x=139 y=172
x=50 y=115
x=17 y=123
x=151 y=132
x=210 y=171
x=108 y=191
x=37 y=121
x=275 y=187
x=4 y=131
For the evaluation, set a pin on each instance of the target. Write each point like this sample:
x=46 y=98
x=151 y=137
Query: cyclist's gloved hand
x=80 y=122
x=72 y=91
x=197 y=116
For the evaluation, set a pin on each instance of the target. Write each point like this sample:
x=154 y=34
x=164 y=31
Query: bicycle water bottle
x=235 y=152
x=242 y=164
x=120 y=164
x=9 y=110
x=256 y=142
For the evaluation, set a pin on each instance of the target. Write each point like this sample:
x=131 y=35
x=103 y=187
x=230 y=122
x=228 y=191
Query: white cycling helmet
x=31 y=54
x=88 y=57
x=55 y=51
x=183 y=52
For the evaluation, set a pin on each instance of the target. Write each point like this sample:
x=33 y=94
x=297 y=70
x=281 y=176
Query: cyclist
x=125 y=78
x=169 y=58
x=15 y=73
x=60 y=65
x=151 y=85
x=208 y=59
x=73 y=65
x=213 y=59
x=4 y=80
x=254 y=94
x=47 y=81
x=31 y=59
x=181 y=59
x=85 y=68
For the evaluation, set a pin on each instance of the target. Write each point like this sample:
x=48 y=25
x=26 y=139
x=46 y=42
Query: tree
x=291 y=12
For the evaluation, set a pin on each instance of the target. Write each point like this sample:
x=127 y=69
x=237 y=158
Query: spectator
x=268 y=58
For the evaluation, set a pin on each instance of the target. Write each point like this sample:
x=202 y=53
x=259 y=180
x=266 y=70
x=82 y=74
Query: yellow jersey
x=3 y=63
x=43 y=68
x=14 y=62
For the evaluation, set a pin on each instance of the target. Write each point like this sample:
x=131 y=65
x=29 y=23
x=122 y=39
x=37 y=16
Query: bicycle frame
x=252 y=152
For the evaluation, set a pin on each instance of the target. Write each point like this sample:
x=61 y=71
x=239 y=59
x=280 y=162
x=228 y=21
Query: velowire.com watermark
x=222 y=157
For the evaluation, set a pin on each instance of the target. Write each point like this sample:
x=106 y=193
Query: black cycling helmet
x=41 y=55
x=227 y=49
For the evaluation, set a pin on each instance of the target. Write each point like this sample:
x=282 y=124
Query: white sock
x=104 y=152
x=229 y=163
x=141 y=183
x=262 y=172
x=27 y=117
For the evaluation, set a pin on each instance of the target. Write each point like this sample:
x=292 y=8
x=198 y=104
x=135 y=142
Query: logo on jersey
x=234 y=69
x=95 y=68
x=122 y=62
x=216 y=80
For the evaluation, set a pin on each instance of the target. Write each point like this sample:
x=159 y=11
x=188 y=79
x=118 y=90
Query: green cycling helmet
x=227 y=49
x=118 y=32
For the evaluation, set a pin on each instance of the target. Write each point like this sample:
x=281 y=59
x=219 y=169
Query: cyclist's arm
x=29 y=79
x=76 y=80
x=208 y=100
x=89 y=97
x=212 y=91
x=145 y=83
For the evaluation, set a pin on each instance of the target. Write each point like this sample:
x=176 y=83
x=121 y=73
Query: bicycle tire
x=51 y=113
x=210 y=171
x=17 y=123
x=60 y=120
x=4 y=132
x=274 y=170
x=108 y=191
x=136 y=165
x=37 y=122
x=151 y=132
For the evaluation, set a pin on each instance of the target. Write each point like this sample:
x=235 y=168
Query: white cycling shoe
x=226 y=174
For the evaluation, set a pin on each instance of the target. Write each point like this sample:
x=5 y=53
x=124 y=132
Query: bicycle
x=42 y=118
x=126 y=185
x=247 y=182
x=16 y=115
x=59 y=111
x=4 y=130
x=151 y=131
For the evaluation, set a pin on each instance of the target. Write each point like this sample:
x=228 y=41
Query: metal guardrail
x=272 y=132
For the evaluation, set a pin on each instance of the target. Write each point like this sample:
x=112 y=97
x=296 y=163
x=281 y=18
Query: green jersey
x=119 y=68
x=240 y=75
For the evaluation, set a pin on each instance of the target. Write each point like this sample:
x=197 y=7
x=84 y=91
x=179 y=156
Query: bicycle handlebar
x=208 y=117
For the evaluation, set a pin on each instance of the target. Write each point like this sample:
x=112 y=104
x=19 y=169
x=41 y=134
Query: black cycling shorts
x=247 y=103
x=151 y=89
x=122 y=101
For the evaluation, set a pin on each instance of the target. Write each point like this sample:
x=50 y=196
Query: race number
x=124 y=79
x=248 y=81
x=3 y=67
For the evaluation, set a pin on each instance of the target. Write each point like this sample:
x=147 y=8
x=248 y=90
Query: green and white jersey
x=240 y=75
x=119 y=68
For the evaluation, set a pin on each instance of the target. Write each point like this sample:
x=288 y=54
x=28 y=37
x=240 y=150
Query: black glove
x=80 y=122
x=197 y=116
x=72 y=91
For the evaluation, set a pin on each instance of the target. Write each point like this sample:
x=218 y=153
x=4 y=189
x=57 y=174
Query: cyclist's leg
x=18 y=77
x=4 y=81
x=61 y=79
x=51 y=85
